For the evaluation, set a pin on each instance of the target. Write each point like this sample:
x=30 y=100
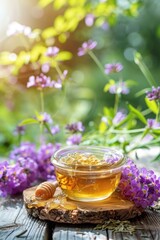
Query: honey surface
x=89 y=187
x=57 y=202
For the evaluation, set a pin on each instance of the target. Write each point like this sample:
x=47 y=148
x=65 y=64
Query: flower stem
x=19 y=139
x=59 y=71
x=144 y=69
x=158 y=112
x=128 y=131
x=42 y=111
x=116 y=103
x=96 y=60
x=42 y=101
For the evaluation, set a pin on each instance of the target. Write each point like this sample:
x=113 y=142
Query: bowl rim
x=68 y=149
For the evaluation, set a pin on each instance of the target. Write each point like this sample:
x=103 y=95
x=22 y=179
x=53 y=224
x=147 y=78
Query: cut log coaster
x=63 y=210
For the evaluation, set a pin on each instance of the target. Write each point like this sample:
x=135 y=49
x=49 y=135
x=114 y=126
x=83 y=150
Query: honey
x=56 y=202
x=89 y=188
x=86 y=179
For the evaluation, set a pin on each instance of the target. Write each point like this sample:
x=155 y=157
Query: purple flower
x=26 y=167
x=75 y=127
x=74 y=139
x=105 y=26
x=14 y=180
x=45 y=67
x=20 y=130
x=139 y=185
x=41 y=81
x=44 y=118
x=64 y=74
x=86 y=47
x=113 y=68
x=154 y=94
x=119 y=117
x=119 y=88
x=110 y=160
x=55 y=129
x=25 y=150
x=152 y=123
x=16 y=28
x=89 y=19
x=52 y=51
x=3 y=167
x=30 y=167
x=58 y=83
x=45 y=167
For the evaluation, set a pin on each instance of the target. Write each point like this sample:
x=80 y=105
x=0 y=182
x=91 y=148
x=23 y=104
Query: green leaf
x=28 y=121
x=36 y=52
x=62 y=37
x=131 y=82
x=137 y=113
x=44 y=3
x=108 y=111
x=157 y=158
x=63 y=56
x=145 y=133
x=48 y=128
x=7 y=58
x=144 y=69
x=108 y=85
x=102 y=127
x=59 y=4
x=126 y=119
x=23 y=58
x=142 y=92
x=49 y=32
x=152 y=105
x=60 y=24
x=76 y=3
x=156 y=131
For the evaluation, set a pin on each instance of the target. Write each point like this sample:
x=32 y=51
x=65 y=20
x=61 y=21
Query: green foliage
x=152 y=105
x=144 y=69
x=28 y=121
x=66 y=31
x=108 y=85
x=137 y=113
x=44 y=3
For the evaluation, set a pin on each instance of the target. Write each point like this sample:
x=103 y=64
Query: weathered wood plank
x=9 y=209
x=149 y=220
x=144 y=235
x=155 y=235
x=77 y=232
x=16 y=224
x=137 y=235
x=114 y=235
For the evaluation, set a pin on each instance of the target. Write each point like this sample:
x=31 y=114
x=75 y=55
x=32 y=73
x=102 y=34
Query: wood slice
x=63 y=210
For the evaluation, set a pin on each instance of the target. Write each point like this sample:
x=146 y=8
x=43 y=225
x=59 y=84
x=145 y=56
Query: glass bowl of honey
x=87 y=173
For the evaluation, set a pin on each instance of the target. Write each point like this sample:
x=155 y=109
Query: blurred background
x=119 y=27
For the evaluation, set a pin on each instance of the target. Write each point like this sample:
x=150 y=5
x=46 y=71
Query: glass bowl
x=87 y=173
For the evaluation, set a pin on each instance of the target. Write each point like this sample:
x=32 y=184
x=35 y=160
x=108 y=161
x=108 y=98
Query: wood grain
x=67 y=232
x=114 y=207
x=15 y=223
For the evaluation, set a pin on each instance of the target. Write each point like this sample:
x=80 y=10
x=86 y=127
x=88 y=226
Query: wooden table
x=15 y=223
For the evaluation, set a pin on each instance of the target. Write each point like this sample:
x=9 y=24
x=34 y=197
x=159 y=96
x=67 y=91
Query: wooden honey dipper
x=45 y=190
